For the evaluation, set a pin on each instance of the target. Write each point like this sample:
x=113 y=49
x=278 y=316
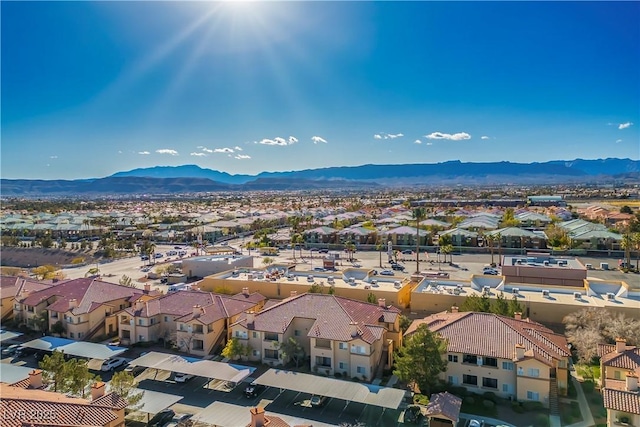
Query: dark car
x=323 y=251
x=253 y=390
x=407 y=252
x=161 y=418
x=318 y=401
x=412 y=414
x=397 y=267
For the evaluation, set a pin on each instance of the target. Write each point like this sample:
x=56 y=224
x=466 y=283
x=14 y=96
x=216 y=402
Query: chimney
x=35 y=378
x=147 y=288
x=245 y=291
x=138 y=305
x=73 y=303
x=454 y=309
x=621 y=345
x=382 y=302
x=251 y=317
x=293 y=293
x=257 y=417
x=519 y=352
x=517 y=315
x=353 y=326
x=632 y=382
x=97 y=390
x=197 y=310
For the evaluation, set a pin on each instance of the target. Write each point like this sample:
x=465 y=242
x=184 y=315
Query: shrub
x=532 y=406
x=77 y=260
x=469 y=400
x=541 y=420
x=566 y=418
x=517 y=408
x=488 y=404
x=489 y=395
x=588 y=387
x=337 y=375
x=421 y=399
x=575 y=409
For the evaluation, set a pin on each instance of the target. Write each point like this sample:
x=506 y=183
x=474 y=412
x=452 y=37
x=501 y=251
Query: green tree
x=291 y=349
x=372 y=298
x=626 y=209
x=40 y=322
x=500 y=305
x=476 y=303
x=627 y=244
x=267 y=260
x=315 y=289
x=418 y=214
x=126 y=281
x=124 y=385
x=515 y=306
x=45 y=272
x=421 y=359
x=509 y=219
x=77 y=378
x=234 y=349
x=405 y=322
x=54 y=369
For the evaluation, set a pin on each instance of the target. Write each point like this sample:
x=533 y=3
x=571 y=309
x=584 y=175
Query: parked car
x=11 y=350
x=491 y=271
x=134 y=369
x=182 y=378
x=397 y=267
x=144 y=258
x=158 y=255
x=161 y=418
x=318 y=401
x=387 y=272
x=177 y=247
x=253 y=390
x=323 y=251
x=113 y=363
x=180 y=420
x=407 y=252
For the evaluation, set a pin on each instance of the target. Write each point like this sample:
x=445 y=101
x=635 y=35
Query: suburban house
x=195 y=321
x=85 y=307
x=26 y=403
x=511 y=357
x=619 y=371
x=13 y=286
x=339 y=335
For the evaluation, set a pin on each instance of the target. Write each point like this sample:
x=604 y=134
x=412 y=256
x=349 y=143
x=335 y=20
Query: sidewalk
x=587 y=418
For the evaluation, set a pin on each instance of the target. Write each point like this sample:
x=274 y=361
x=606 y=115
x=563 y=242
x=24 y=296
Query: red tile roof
x=628 y=359
x=624 y=401
x=492 y=335
x=445 y=404
x=333 y=317
x=11 y=286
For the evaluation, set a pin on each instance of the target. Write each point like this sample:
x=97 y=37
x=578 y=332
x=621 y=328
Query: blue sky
x=92 y=88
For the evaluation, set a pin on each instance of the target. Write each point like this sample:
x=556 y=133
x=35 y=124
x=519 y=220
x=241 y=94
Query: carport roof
x=88 y=350
x=7 y=335
x=153 y=402
x=193 y=366
x=329 y=387
x=11 y=374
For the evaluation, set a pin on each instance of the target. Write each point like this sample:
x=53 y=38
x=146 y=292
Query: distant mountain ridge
x=194 y=179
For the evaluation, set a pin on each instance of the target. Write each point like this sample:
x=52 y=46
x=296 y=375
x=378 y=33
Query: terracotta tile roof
x=445 y=404
x=624 y=401
x=65 y=411
x=89 y=292
x=111 y=400
x=254 y=297
x=492 y=335
x=628 y=359
x=11 y=286
x=333 y=317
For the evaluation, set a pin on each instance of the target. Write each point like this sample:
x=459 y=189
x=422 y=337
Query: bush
x=421 y=399
x=337 y=375
x=488 y=404
x=541 y=420
x=575 y=409
x=469 y=400
x=532 y=406
x=489 y=395
x=458 y=391
x=566 y=418
x=588 y=386
x=517 y=408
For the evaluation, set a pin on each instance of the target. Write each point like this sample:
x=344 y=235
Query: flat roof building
x=543 y=269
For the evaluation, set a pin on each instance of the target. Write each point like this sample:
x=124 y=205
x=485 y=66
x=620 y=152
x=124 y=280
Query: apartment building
x=85 y=307
x=338 y=335
x=511 y=357
x=12 y=287
x=26 y=404
x=619 y=371
x=194 y=321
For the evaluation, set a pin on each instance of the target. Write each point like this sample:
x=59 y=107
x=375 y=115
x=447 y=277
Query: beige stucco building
x=338 y=335
x=619 y=371
x=510 y=357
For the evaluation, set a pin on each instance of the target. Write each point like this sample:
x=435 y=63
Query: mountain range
x=194 y=179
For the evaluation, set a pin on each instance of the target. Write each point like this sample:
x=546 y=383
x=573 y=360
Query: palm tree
x=379 y=248
x=636 y=241
x=418 y=214
x=627 y=243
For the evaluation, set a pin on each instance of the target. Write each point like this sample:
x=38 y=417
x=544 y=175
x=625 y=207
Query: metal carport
x=8 y=335
x=192 y=366
x=385 y=397
x=87 y=350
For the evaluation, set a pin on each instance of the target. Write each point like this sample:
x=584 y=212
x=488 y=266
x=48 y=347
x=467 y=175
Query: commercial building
x=544 y=270
x=511 y=357
x=204 y=266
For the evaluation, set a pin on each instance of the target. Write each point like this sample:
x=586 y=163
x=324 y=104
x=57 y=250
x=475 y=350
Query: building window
x=532 y=395
x=452 y=380
x=361 y=370
x=71 y=335
x=323 y=361
x=617 y=375
x=197 y=329
x=54 y=315
x=453 y=358
x=126 y=334
x=140 y=322
x=198 y=345
x=80 y=335
x=323 y=343
x=491 y=361
x=358 y=349
x=343 y=366
x=256 y=352
x=30 y=309
x=166 y=318
x=241 y=334
x=151 y=321
x=489 y=382
x=270 y=336
x=520 y=370
x=507 y=365
x=470 y=358
x=141 y=338
x=271 y=354
x=533 y=372
x=254 y=334
x=296 y=333
x=343 y=346
x=470 y=379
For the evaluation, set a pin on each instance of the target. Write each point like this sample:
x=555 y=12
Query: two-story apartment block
x=83 y=306
x=619 y=371
x=511 y=357
x=338 y=335
x=195 y=321
x=12 y=287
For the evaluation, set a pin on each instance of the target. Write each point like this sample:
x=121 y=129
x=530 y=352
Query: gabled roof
x=446 y=405
x=492 y=335
x=333 y=316
x=222 y=307
x=624 y=401
x=11 y=286
x=627 y=359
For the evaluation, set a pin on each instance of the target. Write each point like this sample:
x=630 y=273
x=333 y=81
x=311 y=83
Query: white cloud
x=242 y=156
x=618 y=141
x=206 y=150
x=293 y=140
x=452 y=137
x=275 y=141
x=53 y=157
x=280 y=140
x=144 y=153
x=484 y=137
x=383 y=135
x=317 y=139
x=429 y=143
x=223 y=150
x=625 y=125
x=167 y=151
x=119 y=151
x=237 y=148
x=417 y=141
x=377 y=136
x=199 y=154
x=394 y=136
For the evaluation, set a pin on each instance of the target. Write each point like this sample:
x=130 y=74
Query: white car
x=113 y=363
x=387 y=272
x=490 y=271
x=182 y=378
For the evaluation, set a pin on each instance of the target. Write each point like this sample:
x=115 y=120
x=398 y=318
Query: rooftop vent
x=330 y=280
x=577 y=295
x=545 y=293
x=515 y=291
x=611 y=296
x=519 y=261
x=486 y=289
x=397 y=284
x=310 y=278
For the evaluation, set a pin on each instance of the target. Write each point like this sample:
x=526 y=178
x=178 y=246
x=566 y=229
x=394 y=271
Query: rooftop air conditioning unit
x=515 y=291
x=396 y=284
x=486 y=289
x=611 y=296
x=367 y=286
x=352 y=280
x=519 y=262
x=250 y=276
x=330 y=279
x=577 y=295
x=310 y=278
x=374 y=282
x=545 y=293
